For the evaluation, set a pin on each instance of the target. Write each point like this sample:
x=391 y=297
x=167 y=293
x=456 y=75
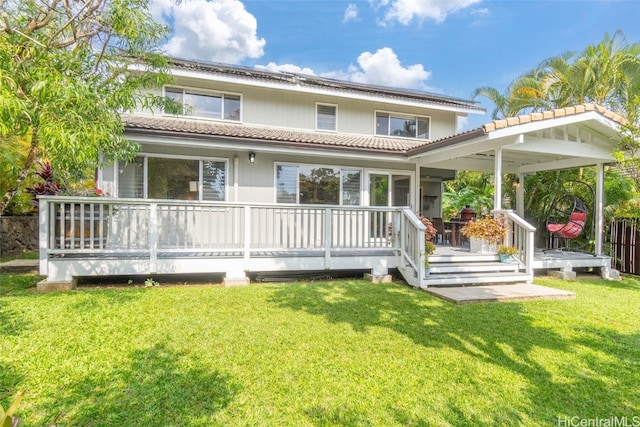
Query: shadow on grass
x=9 y=381
x=158 y=388
x=498 y=334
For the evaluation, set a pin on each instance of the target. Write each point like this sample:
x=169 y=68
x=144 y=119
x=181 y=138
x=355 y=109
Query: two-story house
x=271 y=171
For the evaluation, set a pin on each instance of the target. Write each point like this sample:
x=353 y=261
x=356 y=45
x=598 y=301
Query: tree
x=607 y=74
x=67 y=70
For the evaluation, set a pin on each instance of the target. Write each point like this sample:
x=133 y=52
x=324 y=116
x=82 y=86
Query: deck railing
x=163 y=228
x=521 y=235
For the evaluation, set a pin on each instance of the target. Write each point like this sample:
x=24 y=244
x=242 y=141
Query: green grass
x=341 y=353
x=23 y=255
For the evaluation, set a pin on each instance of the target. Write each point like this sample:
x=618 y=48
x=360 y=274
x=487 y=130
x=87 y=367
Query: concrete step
x=470 y=279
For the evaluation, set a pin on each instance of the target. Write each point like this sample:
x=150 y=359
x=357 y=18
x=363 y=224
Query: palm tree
x=607 y=74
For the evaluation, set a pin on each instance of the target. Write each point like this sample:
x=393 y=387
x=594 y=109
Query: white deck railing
x=521 y=235
x=162 y=228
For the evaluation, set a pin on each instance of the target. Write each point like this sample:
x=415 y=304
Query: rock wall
x=18 y=234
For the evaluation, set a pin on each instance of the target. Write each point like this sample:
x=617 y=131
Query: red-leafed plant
x=49 y=186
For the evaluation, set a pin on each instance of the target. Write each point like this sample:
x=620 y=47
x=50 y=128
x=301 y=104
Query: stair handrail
x=521 y=235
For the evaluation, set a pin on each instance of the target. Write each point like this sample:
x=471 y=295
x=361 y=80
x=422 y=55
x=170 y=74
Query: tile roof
x=312 y=81
x=297 y=137
x=171 y=124
x=517 y=120
x=559 y=112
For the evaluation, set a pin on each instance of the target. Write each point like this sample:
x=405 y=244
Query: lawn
x=336 y=353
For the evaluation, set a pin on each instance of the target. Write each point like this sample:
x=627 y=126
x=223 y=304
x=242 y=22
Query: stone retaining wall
x=18 y=234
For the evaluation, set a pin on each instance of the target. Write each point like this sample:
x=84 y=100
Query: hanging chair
x=568 y=217
x=567 y=220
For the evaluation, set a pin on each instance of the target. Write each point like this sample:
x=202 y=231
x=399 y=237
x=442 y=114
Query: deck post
x=327 y=238
x=153 y=237
x=43 y=237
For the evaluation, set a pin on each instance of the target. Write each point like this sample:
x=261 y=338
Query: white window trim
x=325 y=104
x=297 y=165
x=145 y=166
x=403 y=116
x=198 y=91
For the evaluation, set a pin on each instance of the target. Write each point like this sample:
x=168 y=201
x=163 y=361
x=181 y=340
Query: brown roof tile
x=558 y=112
x=171 y=124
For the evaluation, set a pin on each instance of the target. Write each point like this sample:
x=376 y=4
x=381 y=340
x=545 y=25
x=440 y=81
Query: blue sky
x=449 y=47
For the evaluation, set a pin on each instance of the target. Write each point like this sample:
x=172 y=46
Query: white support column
x=599 y=207
x=235 y=178
x=417 y=203
x=520 y=195
x=497 y=180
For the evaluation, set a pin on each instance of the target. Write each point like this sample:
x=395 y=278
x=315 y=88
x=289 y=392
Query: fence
x=624 y=236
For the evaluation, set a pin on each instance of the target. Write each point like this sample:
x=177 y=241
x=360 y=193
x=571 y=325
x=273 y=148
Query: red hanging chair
x=567 y=219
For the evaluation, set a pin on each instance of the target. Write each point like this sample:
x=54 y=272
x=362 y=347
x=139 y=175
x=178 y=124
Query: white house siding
x=285 y=108
x=256 y=181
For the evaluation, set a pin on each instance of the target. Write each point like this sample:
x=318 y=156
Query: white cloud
x=381 y=68
x=404 y=11
x=384 y=68
x=350 y=13
x=285 y=68
x=217 y=30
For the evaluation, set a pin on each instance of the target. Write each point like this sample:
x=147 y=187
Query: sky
x=447 y=47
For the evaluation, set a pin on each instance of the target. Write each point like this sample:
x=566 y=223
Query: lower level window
x=317 y=185
x=177 y=179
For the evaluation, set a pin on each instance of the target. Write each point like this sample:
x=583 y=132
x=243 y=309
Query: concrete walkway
x=19 y=266
x=493 y=293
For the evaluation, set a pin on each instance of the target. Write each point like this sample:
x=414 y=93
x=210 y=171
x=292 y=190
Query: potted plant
x=506 y=253
x=429 y=235
x=484 y=234
x=429 y=248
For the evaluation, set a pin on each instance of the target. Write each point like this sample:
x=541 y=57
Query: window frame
x=325 y=104
x=340 y=168
x=402 y=116
x=205 y=92
x=145 y=167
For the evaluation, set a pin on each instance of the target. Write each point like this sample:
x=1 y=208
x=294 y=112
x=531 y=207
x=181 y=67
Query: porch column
x=497 y=180
x=599 y=207
x=520 y=195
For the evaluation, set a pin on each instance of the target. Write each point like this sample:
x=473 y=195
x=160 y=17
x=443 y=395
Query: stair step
x=467 y=279
x=478 y=267
x=464 y=258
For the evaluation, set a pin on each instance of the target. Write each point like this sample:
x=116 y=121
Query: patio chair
x=443 y=234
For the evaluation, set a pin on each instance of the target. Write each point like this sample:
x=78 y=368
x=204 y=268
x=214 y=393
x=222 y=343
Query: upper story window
x=392 y=124
x=211 y=105
x=326 y=117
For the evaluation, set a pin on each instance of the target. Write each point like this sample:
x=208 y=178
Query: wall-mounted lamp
x=252 y=157
x=516 y=183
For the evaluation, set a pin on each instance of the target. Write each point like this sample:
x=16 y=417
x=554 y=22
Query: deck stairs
x=468 y=270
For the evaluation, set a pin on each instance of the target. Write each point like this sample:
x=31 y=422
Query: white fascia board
x=572 y=119
x=473 y=146
x=261 y=148
x=564 y=148
x=575 y=162
x=317 y=91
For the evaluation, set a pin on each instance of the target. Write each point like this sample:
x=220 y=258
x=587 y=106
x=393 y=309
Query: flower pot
x=482 y=246
x=508 y=259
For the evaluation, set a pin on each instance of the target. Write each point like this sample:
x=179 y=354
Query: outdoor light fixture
x=516 y=183
x=252 y=157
